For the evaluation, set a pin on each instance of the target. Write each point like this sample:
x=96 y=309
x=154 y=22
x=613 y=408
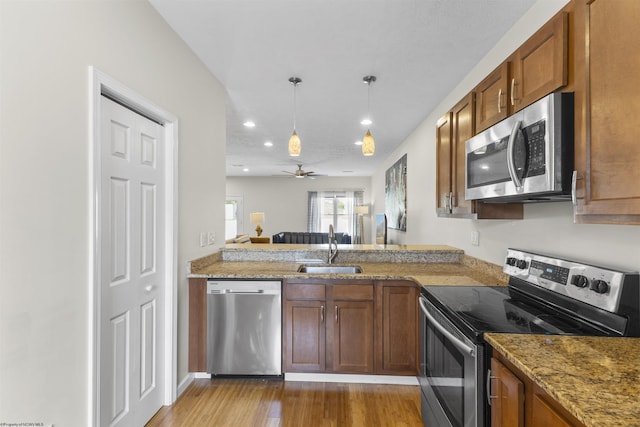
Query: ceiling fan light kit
x=368 y=143
x=295 y=147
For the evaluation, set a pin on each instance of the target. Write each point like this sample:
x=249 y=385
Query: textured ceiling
x=418 y=49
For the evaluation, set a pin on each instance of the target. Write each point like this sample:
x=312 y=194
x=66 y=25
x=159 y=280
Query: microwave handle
x=454 y=340
x=510 y=163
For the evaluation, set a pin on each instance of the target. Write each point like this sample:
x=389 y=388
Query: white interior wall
x=284 y=200
x=46 y=48
x=546 y=227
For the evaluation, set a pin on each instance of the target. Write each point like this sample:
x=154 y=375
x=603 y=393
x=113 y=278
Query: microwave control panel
x=535 y=141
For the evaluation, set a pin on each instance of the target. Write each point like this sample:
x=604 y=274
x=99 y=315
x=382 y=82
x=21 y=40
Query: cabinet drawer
x=358 y=292
x=304 y=292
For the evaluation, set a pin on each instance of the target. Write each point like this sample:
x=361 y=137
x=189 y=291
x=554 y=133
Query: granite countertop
x=423 y=274
x=597 y=379
x=424 y=264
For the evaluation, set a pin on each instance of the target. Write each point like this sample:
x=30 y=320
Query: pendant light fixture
x=294 y=141
x=368 y=144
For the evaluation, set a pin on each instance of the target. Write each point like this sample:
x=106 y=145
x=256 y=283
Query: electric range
x=545 y=295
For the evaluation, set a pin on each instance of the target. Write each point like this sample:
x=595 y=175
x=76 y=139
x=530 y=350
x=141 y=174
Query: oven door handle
x=455 y=340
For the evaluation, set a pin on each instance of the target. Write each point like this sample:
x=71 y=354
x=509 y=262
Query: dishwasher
x=244 y=327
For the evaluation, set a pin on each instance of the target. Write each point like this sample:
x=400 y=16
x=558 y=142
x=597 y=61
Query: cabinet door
x=443 y=165
x=544 y=415
x=607 y=154
x=507 y=397
x=398 y=314
x=463 y=125
x=491 y=97
x=197 y=325
x=353 y=336
x=305 y=336
x=540 y=65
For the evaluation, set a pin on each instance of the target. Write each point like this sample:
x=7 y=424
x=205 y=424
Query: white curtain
x=340 y=212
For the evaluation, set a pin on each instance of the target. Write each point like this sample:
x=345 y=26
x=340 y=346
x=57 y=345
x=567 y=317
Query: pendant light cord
x=294 y=105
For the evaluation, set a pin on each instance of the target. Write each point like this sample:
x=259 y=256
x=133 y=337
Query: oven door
x=451 y=367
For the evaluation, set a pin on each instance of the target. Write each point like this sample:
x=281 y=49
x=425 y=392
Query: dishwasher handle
x=231 y=291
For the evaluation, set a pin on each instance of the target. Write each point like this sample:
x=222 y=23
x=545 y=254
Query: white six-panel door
x=132 y=265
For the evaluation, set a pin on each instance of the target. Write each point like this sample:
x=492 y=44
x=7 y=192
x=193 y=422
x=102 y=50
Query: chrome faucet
x=333 y=245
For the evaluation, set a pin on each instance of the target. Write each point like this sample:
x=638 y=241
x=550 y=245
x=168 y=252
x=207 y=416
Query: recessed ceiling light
x=347 y=171
x=249 y=124
x=268 y=144
x=366 y=122
x=358 y=143
x=245 y=170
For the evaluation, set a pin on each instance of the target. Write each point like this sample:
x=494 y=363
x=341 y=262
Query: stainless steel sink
x=330 y=269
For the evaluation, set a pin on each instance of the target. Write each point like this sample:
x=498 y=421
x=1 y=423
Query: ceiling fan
x=299 y=173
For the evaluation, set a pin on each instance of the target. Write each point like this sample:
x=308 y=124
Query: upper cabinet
x=607 y=153
x=540 y=65
x=537 y=68
x=492 y=97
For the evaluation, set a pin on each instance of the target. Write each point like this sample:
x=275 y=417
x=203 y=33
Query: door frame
x=102 y=84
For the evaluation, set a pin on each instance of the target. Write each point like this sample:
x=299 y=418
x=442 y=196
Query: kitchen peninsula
x=423 y=264
x=383 y=297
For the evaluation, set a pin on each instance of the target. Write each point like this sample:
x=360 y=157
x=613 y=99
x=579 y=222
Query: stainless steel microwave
x=527 y=157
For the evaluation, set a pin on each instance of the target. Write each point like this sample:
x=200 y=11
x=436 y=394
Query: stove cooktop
x=479 y=309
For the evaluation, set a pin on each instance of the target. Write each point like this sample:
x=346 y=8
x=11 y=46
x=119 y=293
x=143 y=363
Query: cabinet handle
x=336 y=313
x=451 y=206
x=500 y=101
x=574 y=178
x=489 y=378
x=322 y=314
x=513 y=90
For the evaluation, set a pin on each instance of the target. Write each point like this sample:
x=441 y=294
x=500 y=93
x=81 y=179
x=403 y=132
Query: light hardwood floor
x=260 y=402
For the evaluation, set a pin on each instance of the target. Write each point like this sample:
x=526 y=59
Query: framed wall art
x=395 y=195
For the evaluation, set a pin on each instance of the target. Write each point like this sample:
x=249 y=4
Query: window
x=232 y=217
x=336 y=208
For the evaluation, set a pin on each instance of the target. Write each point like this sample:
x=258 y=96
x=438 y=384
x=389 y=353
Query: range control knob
x=511 y=261
x=521 y=264
x=600 y=286
x=580 y=281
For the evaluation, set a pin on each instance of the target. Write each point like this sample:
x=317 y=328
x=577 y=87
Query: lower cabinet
x=397 y=327
x=517 y=401
x=352 y=339
x=355 y=327
x=304 y=338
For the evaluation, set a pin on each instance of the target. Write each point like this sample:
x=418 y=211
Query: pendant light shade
x=368 y=144
x=295 y=147
x=294 y=144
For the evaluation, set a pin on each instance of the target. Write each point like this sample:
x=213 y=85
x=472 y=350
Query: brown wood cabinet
x=329 y=327
x=197 y=325
x=540 y=65
x=444 y=165
x=517 y=401
x=537 y=68
x=452 y=130
x=304 y=331
x=353 y=337
x=397 y=327
x=507 y=397
x=492 y=97
x=607 y=153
